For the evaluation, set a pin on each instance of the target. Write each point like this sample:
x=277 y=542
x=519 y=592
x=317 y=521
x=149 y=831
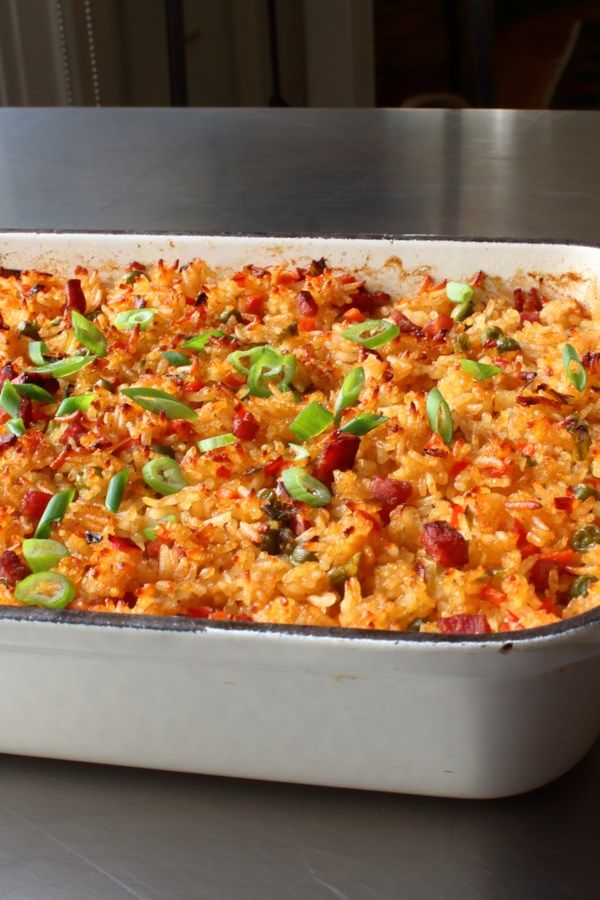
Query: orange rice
x=515 y=480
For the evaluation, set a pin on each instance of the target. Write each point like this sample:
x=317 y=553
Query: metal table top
x=70 y=831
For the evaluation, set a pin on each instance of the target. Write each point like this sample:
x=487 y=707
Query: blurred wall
x=46 y=49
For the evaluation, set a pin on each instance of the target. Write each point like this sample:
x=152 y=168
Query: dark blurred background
x=541 y=54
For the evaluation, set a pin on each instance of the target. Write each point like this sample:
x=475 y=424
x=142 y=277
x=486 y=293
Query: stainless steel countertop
x=70 y=831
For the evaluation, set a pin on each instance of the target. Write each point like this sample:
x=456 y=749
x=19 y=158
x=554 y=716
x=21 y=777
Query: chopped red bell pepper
x=75 y=296
x=34 y=503
x=245 y=425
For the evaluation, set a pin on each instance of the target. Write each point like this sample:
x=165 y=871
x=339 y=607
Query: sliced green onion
x=289 y=364
x=176 y=359
x=372 y=333
x=160 y=402
x=36 y=351
x=363 y=424
x=49 y=589
x=311 y=421
x=9 y=399
x=116 y=489
x=261 y=372
x=135 y=274
x=87 y=334
x=252 y=355
x=479 y=371
x=200 y=341
x=299 y=451
x=459 y=292
x=575 y=373
x=126 y=321
x=64 y=367
x=163 y=475
x=149 y=532
x=75 y=403
x=220 y=440
x=462 y=311
x=349 y=391
x=580 y=586
x=16 y=426
x=54 y=513
x=41 y=555
x=34 y=392
x=439 y=415
x=303 y=487
x=268 y=368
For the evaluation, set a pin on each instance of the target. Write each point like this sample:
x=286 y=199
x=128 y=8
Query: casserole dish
x=450 y=715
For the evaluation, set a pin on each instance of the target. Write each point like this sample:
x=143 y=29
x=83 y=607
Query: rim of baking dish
x=301 y=235
x=503 y=639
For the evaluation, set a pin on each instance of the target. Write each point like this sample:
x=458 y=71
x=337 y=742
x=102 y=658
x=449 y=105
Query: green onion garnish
x=176 y=359
x=311 y=421
x=54 y=513
x=75 y=403
x=200 y=341
x=87 y=334
x=41 y=555
x=49 y=589
x=34 y=392
x=235 y=359
x=163 y=475
x=126 y=321
x=299 y=451
x=9 y=399
x=458 y=292
x=372 y=333
x=135 y=274
x=349 y=392
x=439 y=415
x=36 y=351
x=220 y=440
x=363 y=424
x=160 y=402
x=575 y=373
x=64 y=367
x=303 y=487
x=16 y=426
x=479 y=371
x=150 y=531
x=266 y=368
x=116 y=489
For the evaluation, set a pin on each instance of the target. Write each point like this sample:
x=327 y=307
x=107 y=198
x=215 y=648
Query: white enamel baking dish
x=482 y=716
